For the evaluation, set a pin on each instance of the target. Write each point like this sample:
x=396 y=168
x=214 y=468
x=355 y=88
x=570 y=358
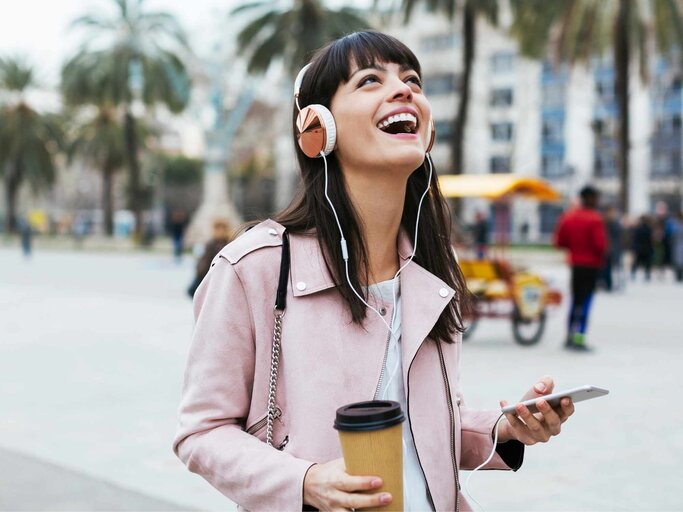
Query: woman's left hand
x=535 y=428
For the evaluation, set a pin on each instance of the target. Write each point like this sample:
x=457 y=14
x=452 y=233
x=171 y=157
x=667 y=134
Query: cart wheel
x=470 y=326
x=528 y=332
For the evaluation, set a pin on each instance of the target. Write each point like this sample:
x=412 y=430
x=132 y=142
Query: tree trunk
x=11 y=201
x=134 y=193
x=107 y=199
x=458 y=141
x=13 y=175
x=621 y=68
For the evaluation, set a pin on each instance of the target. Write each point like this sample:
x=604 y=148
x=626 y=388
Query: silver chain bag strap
x=279 y=313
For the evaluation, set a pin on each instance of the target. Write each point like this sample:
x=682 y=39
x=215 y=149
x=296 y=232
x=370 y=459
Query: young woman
x=348 y=334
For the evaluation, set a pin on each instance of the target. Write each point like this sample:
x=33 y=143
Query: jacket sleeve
x=477 y=442
x=215 y=402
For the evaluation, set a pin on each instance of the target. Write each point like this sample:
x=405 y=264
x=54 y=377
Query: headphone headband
x=299 y=79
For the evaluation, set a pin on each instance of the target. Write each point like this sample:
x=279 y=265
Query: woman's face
x=382 y=119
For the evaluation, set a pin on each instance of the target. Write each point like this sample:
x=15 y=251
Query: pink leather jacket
x=326 y=362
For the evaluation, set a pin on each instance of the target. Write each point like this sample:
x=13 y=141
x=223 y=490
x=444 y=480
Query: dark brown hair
x=309 y=211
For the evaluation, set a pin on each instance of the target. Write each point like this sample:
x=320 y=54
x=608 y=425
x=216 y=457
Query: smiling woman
x=368 y=231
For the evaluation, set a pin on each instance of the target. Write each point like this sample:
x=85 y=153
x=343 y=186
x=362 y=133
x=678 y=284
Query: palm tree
x=470 y=11
x=99 y=141
x=28 y=140
x=293 y=32
x=131 y=55
x=577 y=30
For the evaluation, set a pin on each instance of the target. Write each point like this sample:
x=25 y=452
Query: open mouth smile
x=402 y=123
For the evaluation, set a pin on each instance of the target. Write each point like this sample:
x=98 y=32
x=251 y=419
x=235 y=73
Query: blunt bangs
x=331 y=66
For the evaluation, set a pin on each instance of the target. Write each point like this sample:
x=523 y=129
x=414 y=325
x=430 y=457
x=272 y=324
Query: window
x=605 y=164
x=553 y=94
x=605 y=91
x=502 y=62
x=446 y=83
x=501 y=131
x=667 y=163
x=438 y=42
x=552 y=166
x=501 y=97
x=668 y=123
x=498 y=164
x=549 y=215
x=661 y=164
x=444 y=130
x=552 y=129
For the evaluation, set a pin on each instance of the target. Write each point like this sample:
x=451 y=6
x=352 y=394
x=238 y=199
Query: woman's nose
x=401 y=91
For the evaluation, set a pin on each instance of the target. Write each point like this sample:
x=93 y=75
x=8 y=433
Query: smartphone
x=577 y=395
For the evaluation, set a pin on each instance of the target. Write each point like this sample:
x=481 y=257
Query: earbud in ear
x=316 y=130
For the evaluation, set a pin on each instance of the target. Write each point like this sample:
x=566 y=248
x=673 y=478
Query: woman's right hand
x=329 y=487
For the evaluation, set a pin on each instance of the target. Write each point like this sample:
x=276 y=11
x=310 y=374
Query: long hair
x=310 y=212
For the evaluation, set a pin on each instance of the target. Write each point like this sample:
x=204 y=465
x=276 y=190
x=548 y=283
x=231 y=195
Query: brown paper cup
x=371 y=438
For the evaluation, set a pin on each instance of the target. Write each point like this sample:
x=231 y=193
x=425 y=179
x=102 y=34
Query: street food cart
x=502 y=291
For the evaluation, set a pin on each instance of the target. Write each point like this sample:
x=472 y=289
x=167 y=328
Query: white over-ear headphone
x=316 y=131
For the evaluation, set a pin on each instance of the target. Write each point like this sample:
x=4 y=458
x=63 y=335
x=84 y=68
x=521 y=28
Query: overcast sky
x=38 y=29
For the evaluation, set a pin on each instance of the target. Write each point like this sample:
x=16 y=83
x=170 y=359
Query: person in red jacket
x=582 y=232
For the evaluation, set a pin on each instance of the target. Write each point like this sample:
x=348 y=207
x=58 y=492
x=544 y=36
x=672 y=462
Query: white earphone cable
x=345 y=251
x=493 y=451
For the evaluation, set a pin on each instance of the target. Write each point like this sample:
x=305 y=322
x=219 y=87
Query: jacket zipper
x=262 y=422
x=451 y=411
x=384 y=364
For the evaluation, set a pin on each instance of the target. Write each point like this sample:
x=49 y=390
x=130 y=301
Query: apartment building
x=551 y=121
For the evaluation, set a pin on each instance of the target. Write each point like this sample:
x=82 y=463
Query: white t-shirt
x=391 y=388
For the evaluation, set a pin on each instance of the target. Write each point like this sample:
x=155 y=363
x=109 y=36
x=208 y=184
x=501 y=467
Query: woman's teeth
x=404 y=117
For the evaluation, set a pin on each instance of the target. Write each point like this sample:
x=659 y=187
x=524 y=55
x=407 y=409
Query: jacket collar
x=424 y=296
x=309 y=272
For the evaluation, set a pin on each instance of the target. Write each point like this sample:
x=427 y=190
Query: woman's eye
x=416 y=80
x=368 y=80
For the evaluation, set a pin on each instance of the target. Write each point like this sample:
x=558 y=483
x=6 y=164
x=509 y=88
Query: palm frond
x=252 y=6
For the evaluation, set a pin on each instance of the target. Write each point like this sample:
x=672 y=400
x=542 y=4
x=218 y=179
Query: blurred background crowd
x=138 y=130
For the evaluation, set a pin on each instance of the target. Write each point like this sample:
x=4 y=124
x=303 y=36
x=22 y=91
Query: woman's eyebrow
x=402 y=68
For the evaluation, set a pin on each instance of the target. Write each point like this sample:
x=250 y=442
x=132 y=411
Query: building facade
x=550 y=121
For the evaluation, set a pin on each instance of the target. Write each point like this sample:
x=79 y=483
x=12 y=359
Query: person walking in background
x=643 y=247
x=177 y=225
x=613 y=270
x=221 y=236
x=581 y=231
x=677 y=245
x=26 y=233
x=481 y=235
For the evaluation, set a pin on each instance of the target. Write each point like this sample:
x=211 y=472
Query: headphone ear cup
x=432 y=135
x=316 y=130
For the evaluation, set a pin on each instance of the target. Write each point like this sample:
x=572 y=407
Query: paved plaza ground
x=92 y=351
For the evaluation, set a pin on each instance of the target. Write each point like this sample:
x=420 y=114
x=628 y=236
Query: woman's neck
x=379 y=204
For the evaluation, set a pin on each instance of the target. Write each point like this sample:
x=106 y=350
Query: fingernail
x=385 y=498
x=540 y=387
x=376 y=482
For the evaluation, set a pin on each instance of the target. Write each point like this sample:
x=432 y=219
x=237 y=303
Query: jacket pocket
x=257 y=427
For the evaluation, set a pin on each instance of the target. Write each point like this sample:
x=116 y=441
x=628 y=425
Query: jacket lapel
x=423 y=298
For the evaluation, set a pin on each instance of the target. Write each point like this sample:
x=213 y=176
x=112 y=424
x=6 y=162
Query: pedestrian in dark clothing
x=613 y=271
x=677 y=245
x=582 y=232
x=220 y=238
x=177 y=225
x=481 y=235
x=26 y=233
x=643 y=247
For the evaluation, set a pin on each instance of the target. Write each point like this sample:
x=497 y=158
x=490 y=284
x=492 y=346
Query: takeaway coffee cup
x=372 y=444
